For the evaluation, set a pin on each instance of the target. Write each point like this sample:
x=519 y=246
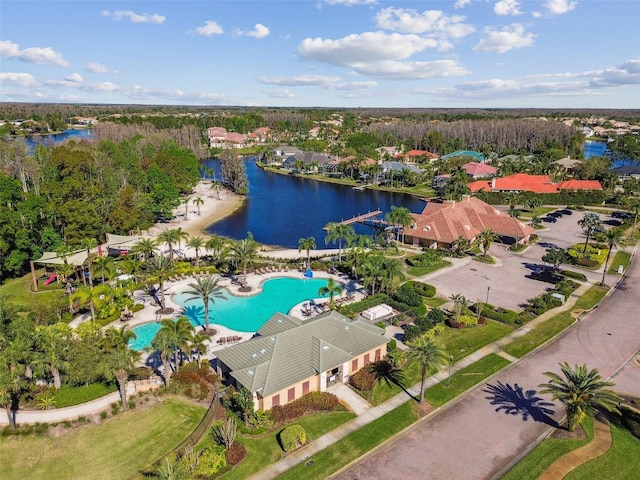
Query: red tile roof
x=477 y=169
x=445 y=222
x=479 y=186
x=523 y=182
x=580 y=185
x=418 y=153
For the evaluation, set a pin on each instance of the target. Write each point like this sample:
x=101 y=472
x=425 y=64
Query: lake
x=281 y=209
x=58 y=137
x=599 y=149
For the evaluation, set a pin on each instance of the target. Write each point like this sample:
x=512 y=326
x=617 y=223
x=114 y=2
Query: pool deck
x=148 y=313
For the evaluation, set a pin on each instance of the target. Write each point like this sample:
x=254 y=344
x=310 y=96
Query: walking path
x=600 y=444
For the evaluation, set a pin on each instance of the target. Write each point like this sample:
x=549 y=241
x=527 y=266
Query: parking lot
x=506 y=282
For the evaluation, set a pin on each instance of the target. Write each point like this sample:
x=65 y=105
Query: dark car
x=549 y=219
x=556 y=214
x=566 y=211
x=623 y=215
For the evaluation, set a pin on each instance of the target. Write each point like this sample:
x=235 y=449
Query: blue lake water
x=244 y=314
x=281 y=209
x=58 y=137
x=599 y=149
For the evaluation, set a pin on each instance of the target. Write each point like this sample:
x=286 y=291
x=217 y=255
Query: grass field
x=119 y=448
x=621 y=258
x=419 y=271
x=17 y=291
x=264 y=449
x=351 y=447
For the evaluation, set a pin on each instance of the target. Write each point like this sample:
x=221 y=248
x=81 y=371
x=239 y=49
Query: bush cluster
x=575 y=275
x=425 y=323
x=423 y=289
x=210 y=461
x=363 y=380
x=353 y=309
x=235 y=454
x=408 y=295
x=309 y=403
x=292 y=437
x=426 y=258
x=499 y=314
x=195 y=380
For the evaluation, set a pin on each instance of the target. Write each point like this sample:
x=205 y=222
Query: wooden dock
x=359 y=218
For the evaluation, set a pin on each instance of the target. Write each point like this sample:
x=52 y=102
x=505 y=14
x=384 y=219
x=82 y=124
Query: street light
x=450 y=363
x=488 y=289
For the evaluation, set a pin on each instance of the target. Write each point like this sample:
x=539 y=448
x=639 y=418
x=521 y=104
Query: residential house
x=417 y=156
x=478 y=157
x=477 y=170
x=523 y=182
x=312 y=162
x=220 y=138
x=439 y=181
x=290 y=357
x=440 y=225
x=628 y=171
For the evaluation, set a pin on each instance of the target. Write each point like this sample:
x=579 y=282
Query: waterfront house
x=523 y=182
x=290 y=357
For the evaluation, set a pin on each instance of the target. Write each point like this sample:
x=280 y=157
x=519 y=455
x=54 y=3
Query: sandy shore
x=211 y=210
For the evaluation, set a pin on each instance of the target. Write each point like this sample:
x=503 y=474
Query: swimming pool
x=244 y=314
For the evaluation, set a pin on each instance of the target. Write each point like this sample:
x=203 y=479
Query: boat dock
x=360 y=218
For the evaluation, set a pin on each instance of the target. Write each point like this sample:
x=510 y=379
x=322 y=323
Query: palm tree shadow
x=513 y=400
x=383 y=371
x=195 y=315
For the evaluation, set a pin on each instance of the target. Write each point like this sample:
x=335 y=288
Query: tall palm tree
x=338 y=232
x=115 y=338
x=198 y=202
x=173 y=337
x=486 y=239
x=89 y=243
x=145 y=247
x=429 y=355
x=121 y=361
x=85 y=295
x=581 y=390
x=244 y=252
x=359 y=246
x=332 y=288
x=198 y=344
x=613 y=239
x=399 y=217
x=373 y=268
x=589 y=223
x=161 y=267
x=307 y=244
x=196 y=243
x=392 y=269
x=52 y=343
x=185 y=202
x=104 y=266
x=207 y=290
x=217 y=246
x=172 y=237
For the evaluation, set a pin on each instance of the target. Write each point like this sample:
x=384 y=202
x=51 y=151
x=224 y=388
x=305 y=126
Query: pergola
x=77 y=259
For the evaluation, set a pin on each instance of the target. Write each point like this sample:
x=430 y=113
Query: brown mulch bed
x=424 y=409
x=563 y=434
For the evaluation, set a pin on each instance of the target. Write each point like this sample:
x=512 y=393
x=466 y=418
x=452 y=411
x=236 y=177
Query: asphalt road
x=480 y=435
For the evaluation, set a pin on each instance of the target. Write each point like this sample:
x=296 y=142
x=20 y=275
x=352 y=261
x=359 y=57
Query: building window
x=354 y=365
x=377 y=357
x=366 y=359
x=291 y=394
x=275 y=401
x=305 y=387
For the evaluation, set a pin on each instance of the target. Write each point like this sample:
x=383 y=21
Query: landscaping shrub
x=422 y=289
x=292 y=437
x=566 y=287
x=586 y=262
x=631 y=421
x=392 y=345
x=235 y=454
x=224 y=433
x=363 y=380
x=423 y=323
x=411 y=332
x=426 y=258
x=195 y=380
x=352 y=309
x=309 y=403
x=210 y=461
x=407 y=295
x=575 y=275
x=499 y=314
x=436 y=316
x=403 y=307
x=468 y=320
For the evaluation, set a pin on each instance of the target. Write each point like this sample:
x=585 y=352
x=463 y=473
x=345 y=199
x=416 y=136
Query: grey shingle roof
x=288 y=355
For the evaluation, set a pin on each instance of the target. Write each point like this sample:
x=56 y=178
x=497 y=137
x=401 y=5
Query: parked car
x=566 y=211
x=549 y=219
x=623 y=215
x=556 y=214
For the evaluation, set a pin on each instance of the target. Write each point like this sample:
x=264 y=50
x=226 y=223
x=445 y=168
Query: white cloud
x=134 y=17
x=24 y=80
x=41 y=56
x=95 y=67
x=279 y=93
x=627 y=73
x=301 y=80
x=355 y=85
x=349 y=3
x=259 y=31
x=368 y=47
x=209 y=28
x=461 y=3
x=434 y=23
x=507 y=39
x=74 y=77
x=393 y=70
x=558 y=7
x=507 y=7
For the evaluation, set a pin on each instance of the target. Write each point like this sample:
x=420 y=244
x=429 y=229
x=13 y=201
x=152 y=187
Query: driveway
x=482 y=435
x=506 y=283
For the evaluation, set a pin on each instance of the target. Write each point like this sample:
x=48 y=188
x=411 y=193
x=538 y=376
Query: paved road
x=480 y=435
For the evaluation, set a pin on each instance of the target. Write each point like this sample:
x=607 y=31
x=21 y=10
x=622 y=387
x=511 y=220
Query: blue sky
x=326 y=53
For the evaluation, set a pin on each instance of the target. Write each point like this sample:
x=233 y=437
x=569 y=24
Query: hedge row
x=309 y=403
x=562 y=198
x=499 y=314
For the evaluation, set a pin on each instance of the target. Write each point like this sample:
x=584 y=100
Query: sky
x=323 y=53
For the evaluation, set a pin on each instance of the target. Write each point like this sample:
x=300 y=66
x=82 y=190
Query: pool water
x=244 y=314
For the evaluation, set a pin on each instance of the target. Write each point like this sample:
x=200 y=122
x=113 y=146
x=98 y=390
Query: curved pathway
x=485 y=432
x=600 y=444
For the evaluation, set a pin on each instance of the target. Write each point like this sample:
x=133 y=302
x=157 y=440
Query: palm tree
x=196 y=243
x=185 y=202
x=217 y=247
x=582 y=391
x=332 y=289
x=172 y=237
x=429 y=355
x=85 y=295
x=197 y=202
x=104 y=266
x=161 y=267
x=175 y=335
x=391 y=270
x=373 y=268
x=115 y=338
x=121 y=361
x=359 y=245
x=244 y=400
x=198 y=344
x=461 y=245
x=613 y=239
x=589 y=223
x=460 y=304
x=486 y=239
x=634 y=205
x=307 y=244
x=52 y=343
x=145 y=247
x=244 y=252
x=401 y=217
x=338 y=232
x=89 y=243
x=207 y=290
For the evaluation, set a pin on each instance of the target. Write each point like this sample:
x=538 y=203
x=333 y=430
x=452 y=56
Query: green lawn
x=17 y=291
x=435 y=302
x=344 y=451
x=537 y=212
x=264 y=450
x=67 y=395
x=621 y=258
x=119 y=448
x=541 y=457
x=554 y=325
x=621 y=462
x=461 y=342
x=419 y=271
x=466 y=378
